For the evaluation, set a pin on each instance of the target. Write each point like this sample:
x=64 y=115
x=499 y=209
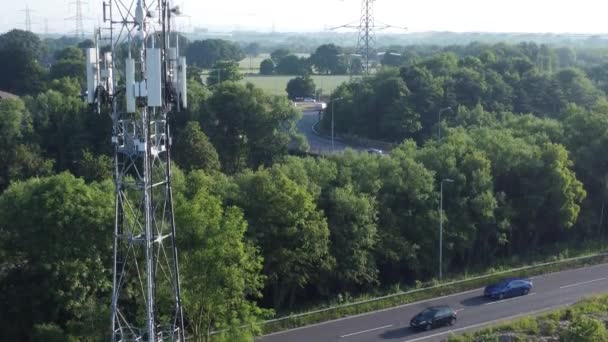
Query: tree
x=278 y=55
x=292 y=234
x=193 y=151
x=69 y=53
x=205 y=53
x=327 y=60
x=68 y=68
x=20 y=70
x=293 y=65
x=249 y=127
x=21 y=157
x=95 y=168
x=352 y=219
x=45 y=279
x=267 y=67
x=224 y=71
x=252 y=49
x=405 y=249
x=220 y=296
x=301 y=86
x=59 y=122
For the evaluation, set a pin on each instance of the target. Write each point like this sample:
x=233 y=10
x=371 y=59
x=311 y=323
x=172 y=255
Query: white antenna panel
x=92 y=74
x=173 y=67
x=153 y=77
x=130 y=84
x=183 y=82
x=110 y=73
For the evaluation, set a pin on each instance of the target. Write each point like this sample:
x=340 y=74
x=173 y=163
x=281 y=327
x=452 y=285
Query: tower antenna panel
x=146 y=295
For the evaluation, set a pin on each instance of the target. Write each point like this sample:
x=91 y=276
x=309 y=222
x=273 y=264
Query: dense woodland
x=264 y=229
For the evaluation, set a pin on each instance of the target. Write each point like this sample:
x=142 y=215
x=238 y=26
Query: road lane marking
x=583 y=283
x=338 y=320
x=420 y=302
x=368 y=330
x=457 y=311
x=508 y=299
x=452 y=331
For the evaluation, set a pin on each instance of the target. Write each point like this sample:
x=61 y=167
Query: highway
x=318 y=144
x=474 y=312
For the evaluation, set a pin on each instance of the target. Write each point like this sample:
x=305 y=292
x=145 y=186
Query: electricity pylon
x=366 y=39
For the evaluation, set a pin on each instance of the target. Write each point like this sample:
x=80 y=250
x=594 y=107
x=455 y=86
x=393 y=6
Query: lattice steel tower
x=367 y=34
x=367 y=26
x=78 y=18
x=28 y=18
x=146 y=300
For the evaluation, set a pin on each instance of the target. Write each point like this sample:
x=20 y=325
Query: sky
x=559 y=16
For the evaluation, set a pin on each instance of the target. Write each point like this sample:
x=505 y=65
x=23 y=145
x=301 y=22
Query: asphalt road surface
x=474 y=312
x=318 y=144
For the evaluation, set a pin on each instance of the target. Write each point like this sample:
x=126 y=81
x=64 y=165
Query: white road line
x=457 y=311
x=424 y=301
x=506 y=300
x=452 y=331
x=368 y=330
x=583 y=283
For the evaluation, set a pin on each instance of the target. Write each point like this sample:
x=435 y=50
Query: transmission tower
x=78 y=18
x=146 y=299
x=366 y=39
x=28 y=18
x=367 y=34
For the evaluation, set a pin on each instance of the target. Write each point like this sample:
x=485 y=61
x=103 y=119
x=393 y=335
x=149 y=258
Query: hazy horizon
x=516 y=16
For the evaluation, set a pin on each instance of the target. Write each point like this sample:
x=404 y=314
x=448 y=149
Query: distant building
x=4 y=95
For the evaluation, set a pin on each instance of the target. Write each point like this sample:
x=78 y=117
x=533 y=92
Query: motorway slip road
x=474 y=312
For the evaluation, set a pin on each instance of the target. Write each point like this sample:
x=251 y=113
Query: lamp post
x=332 y=122
x=439 y=119
x=446 y=180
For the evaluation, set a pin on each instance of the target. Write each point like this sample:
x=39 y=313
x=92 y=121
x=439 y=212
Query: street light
x=439 y=119
x=332 y=122
x=446 y=180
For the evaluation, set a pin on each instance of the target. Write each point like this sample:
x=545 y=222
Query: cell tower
x=78 y=18
x=146 y=299
x=367 y=27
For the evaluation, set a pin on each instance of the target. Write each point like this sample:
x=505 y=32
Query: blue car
x=510 y=287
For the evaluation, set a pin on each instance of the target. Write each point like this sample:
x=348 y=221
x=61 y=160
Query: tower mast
x=146 y=297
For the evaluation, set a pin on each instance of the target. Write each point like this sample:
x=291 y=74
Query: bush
x=548 y=327
x=585 y=329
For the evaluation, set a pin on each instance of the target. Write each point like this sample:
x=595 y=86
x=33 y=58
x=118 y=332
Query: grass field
x=276 y=84
x=252 y=65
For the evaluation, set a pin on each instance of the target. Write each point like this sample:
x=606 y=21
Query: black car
x=435 y=316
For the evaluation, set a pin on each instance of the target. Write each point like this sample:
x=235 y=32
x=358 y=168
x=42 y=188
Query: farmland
x=276 y=84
